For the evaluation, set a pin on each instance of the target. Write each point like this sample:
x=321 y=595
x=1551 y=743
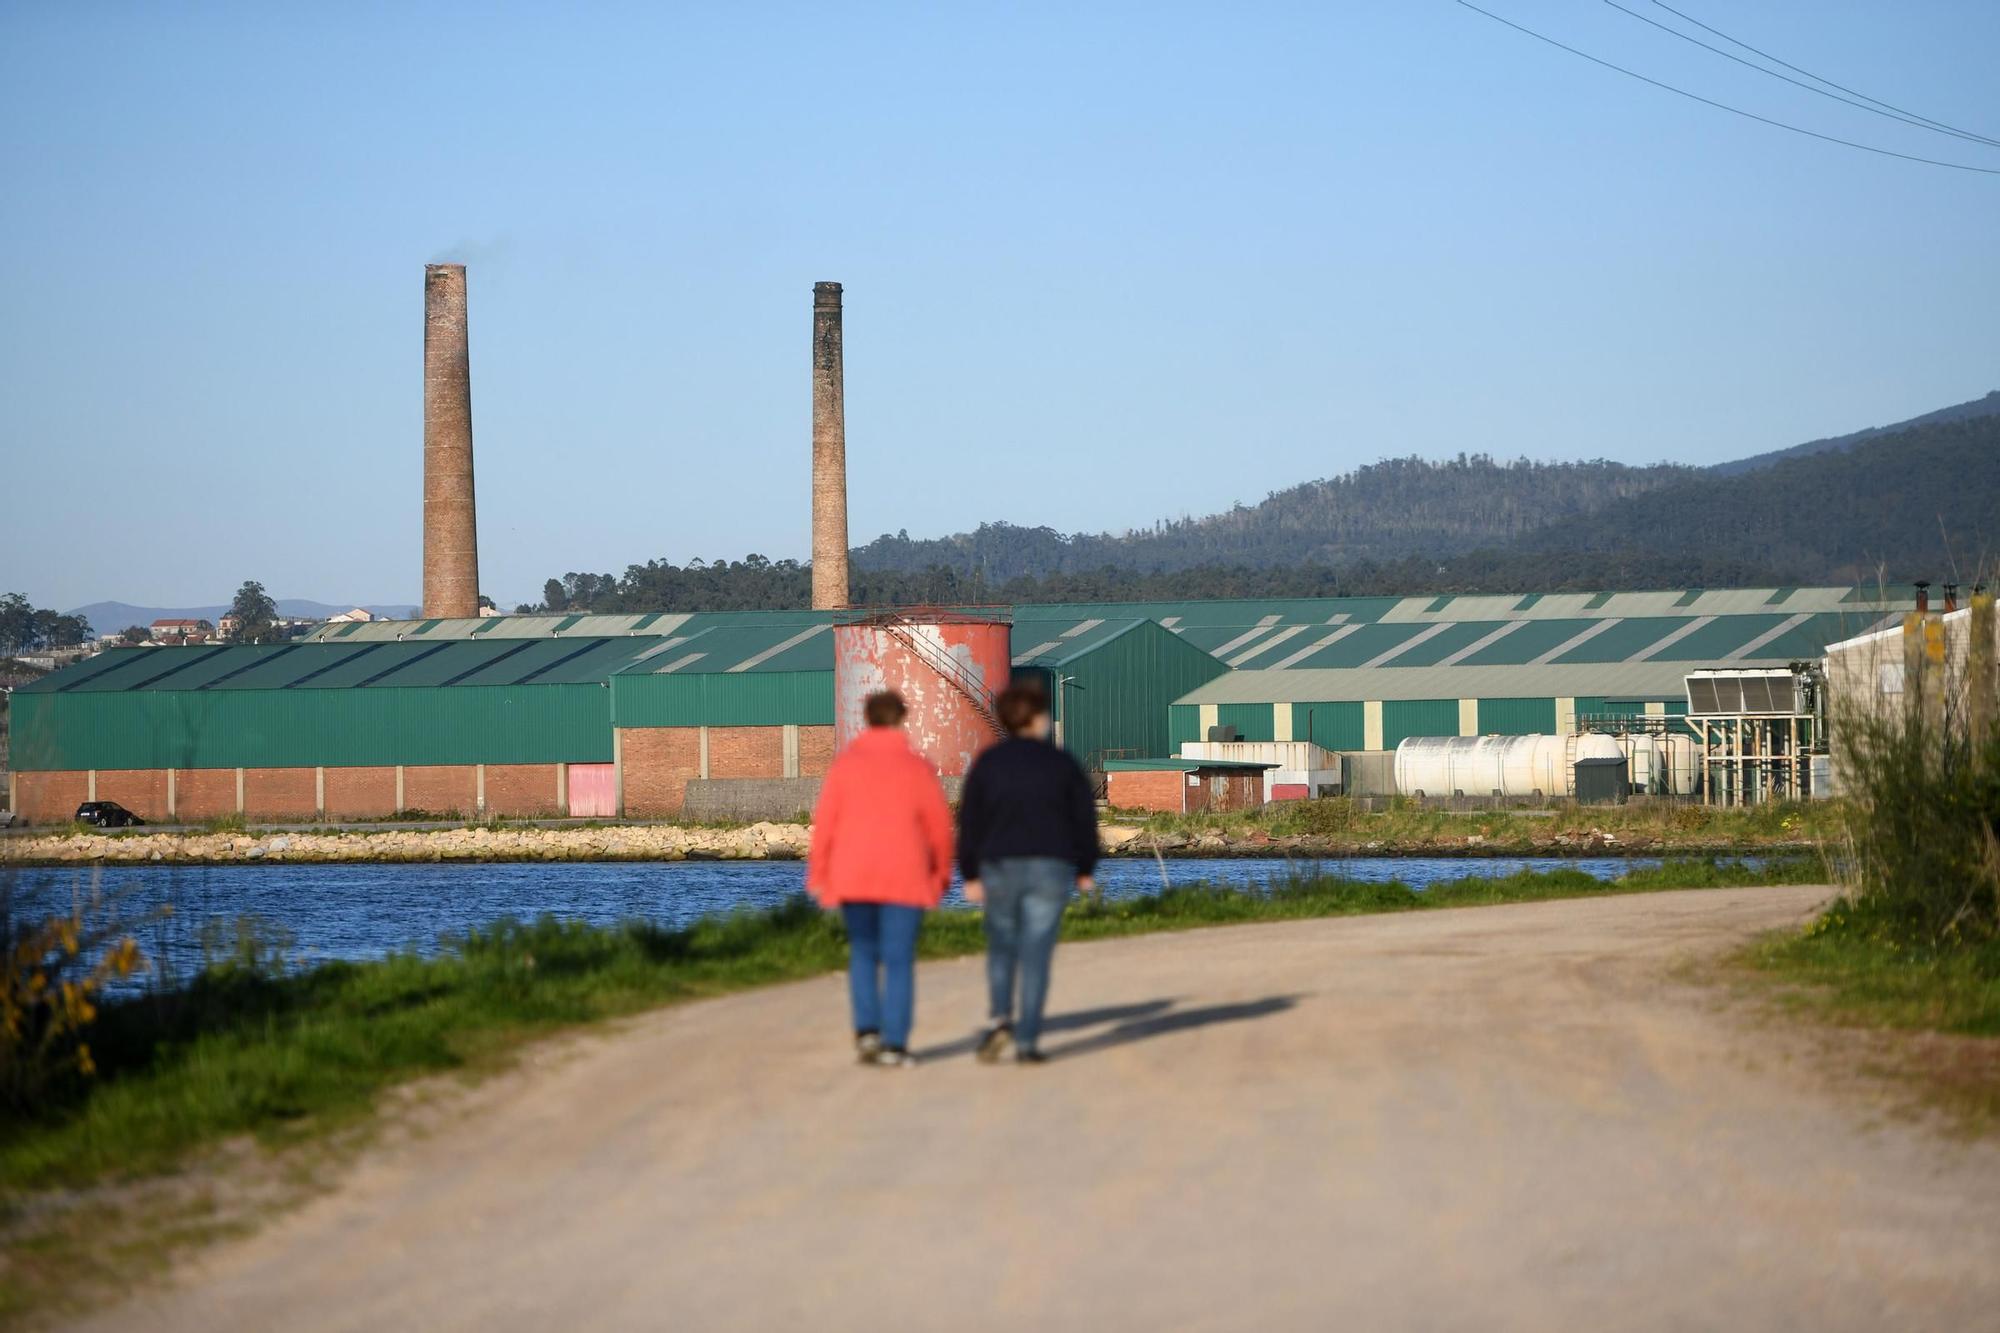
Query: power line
x=1817 y=78
x=1724 y=106
x=1801 y=83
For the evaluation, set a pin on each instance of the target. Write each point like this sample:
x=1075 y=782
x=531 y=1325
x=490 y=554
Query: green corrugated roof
x=1398 y=633
x=1036 y=644
x=1636 y=680
x=745 y=648
x=338 y=665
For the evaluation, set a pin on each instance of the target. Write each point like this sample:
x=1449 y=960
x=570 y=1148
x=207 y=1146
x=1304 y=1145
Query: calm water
x=365 y=911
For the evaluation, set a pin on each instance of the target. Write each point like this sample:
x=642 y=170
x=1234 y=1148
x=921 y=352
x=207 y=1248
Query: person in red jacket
x=881 y=853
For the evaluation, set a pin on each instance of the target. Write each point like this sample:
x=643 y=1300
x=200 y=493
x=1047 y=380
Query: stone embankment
x=674 y=842
x=627 y=842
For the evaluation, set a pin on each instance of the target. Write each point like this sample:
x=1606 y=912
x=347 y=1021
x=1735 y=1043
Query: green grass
x=1407 y=825
x=1856 y=967
x=247 y=1051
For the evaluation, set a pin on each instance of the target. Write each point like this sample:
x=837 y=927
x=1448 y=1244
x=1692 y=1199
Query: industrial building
x=591 y=715
x=661 y=714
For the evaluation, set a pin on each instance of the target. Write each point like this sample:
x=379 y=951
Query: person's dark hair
x=884 y=708
x=1019 y=705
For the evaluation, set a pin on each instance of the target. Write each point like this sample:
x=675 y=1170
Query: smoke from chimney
x=451 y=538
x=829 y=473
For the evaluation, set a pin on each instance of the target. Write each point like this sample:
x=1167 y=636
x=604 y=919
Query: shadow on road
x=1082 y=1018
x=1131 y=1022
x=1173 y=1020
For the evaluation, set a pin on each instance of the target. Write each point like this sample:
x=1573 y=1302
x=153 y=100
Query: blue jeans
x=881 y=968
x=1025 y=897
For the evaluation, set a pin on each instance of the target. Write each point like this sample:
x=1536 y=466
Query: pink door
x=593 y=791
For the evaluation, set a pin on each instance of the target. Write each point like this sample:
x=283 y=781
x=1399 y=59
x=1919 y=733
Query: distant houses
x=178 y=633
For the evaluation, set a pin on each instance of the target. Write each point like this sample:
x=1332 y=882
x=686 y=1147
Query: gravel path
x=1493 y=1118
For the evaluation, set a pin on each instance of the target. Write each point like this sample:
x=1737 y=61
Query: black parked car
x=106 y=814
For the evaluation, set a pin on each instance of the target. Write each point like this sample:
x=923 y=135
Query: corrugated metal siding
x=1417 y=717
x=1517 y=717
x=1340 y=725
x=513 y=724
x=1127 y=687
x=1183 y=725
x=1253 y=722
x=723 y=699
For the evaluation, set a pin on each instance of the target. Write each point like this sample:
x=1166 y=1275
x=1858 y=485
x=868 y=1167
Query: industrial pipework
x=451 y=537
x=829 y=465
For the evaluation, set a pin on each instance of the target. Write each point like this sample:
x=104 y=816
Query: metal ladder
x=949 y=668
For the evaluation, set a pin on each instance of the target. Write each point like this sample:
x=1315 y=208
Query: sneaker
x=867 y=1045
x=893 y=1057
x=1024 y=1056
x=995 y=1043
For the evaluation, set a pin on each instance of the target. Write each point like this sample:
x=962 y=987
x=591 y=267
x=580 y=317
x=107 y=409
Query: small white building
x=1298 y=770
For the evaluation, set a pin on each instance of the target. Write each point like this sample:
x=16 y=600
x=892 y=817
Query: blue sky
x=1144 y=260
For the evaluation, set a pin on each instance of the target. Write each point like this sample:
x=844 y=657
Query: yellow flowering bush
x=56 y=970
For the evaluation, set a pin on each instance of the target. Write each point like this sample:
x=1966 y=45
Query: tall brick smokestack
x=829 y=497
x=451 y=537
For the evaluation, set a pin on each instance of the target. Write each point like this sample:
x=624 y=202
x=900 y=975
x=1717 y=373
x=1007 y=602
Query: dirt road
x=1495 y=1118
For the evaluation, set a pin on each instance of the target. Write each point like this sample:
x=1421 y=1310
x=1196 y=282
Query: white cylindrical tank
x=1489 y=765
x=1646 y=761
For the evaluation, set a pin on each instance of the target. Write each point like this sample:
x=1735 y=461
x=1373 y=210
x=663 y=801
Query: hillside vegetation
x=1919 y=502
x=1385 y=511
x=1987 y=406
x=1892 y=503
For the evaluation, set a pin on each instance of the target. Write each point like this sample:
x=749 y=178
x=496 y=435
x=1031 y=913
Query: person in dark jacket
x=1027 y=834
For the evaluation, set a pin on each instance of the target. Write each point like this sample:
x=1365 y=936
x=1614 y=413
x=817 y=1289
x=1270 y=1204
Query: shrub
x=52 y=976
x=1925 y=837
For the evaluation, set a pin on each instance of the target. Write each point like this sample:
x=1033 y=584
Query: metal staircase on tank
x=948 y=667
x=1569 y=765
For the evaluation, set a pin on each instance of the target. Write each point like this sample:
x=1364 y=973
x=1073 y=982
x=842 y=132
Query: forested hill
x=1920 y=503
x=1923 y=502
x=1988 y=406
x=1385 y=511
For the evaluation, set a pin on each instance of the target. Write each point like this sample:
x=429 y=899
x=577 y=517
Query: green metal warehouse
x=619 y=714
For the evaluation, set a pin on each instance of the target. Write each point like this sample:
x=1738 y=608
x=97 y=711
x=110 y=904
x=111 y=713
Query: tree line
x=25 y=628
x=1918 y=503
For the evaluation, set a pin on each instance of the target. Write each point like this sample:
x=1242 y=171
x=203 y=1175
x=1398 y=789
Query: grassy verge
x=1408 y=825
x=1854 y=968
x=1866 y=976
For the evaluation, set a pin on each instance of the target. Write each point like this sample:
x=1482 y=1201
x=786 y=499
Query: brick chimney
x=451 y=537
x=829 y=473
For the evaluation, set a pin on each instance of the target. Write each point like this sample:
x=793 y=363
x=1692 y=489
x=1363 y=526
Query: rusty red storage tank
x=947 y=665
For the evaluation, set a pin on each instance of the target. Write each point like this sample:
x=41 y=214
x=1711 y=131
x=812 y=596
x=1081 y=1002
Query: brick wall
x=521 y=789
x=658 y=764
x=360 y=793
x=441 y=789
x=746 y=752
x=279 y=794
x=815 y=751
x=143 y=791
x=204 y=793
x=1160 y=790
x=50 y=798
